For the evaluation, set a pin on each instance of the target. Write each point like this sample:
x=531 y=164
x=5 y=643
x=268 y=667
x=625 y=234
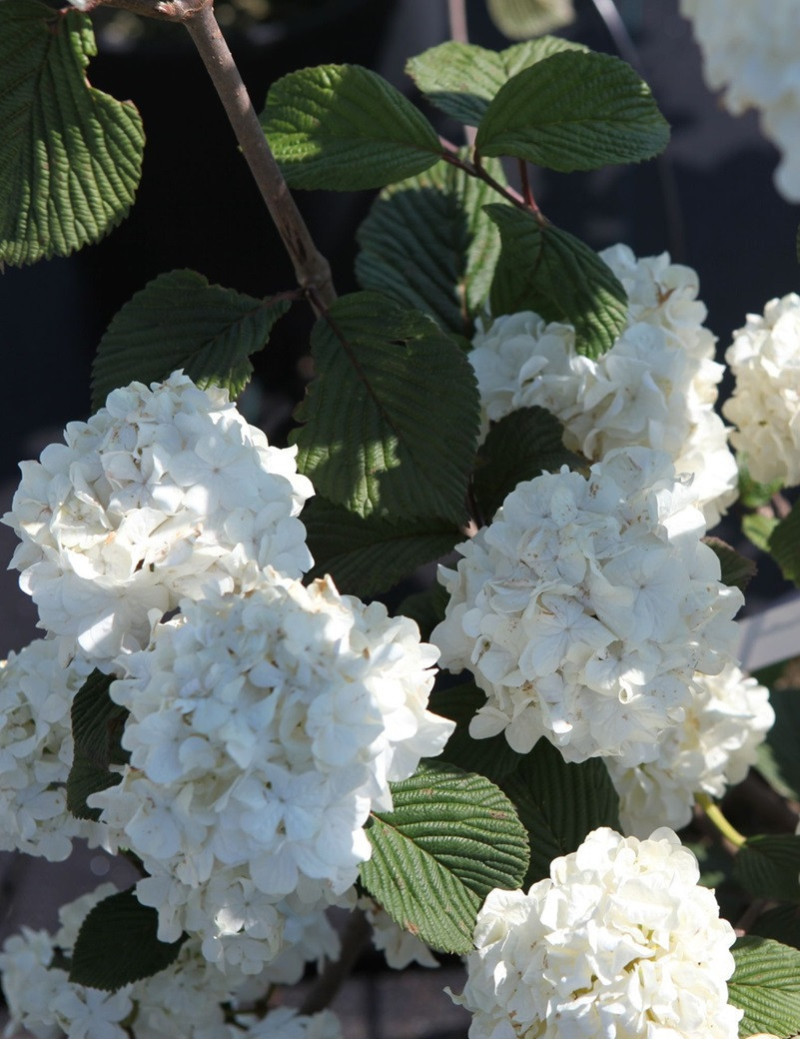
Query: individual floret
x=262 y=730
x=765 y=361
x=619 y=941
x=584 y=609
x=716 y=743
x=163 y=493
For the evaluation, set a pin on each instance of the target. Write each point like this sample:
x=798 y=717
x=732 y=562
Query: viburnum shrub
x=497 y=768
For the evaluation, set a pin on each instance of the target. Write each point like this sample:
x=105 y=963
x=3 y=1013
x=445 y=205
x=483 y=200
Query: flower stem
x=311 y=268
x=715 y=815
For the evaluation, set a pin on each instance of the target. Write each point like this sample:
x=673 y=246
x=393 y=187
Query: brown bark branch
x=311 y=268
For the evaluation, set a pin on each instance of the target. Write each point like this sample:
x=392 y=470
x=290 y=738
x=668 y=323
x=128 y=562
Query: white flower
x=285 y=1023
x=162 y=493
x=36 y=750
x=754 y=61
x=656 y=387
x=41 y=999
x=262 y=730
x=620 y=940
x=584 y=609
x=715 y=744
x=765 y=360
x=189 y=998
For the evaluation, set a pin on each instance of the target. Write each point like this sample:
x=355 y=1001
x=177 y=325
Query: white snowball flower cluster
x=262 y=730
x=620 y=940
x=765 y=405
x=754 y=60
x=162 y=493
x=655 y=387
x=584 y=609
x=716 y=743
x=36 y=750
x=187 y=999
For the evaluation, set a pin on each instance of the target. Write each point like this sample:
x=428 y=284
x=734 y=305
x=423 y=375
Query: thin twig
x=326 y=987
x=311 y=268
x=475 y=169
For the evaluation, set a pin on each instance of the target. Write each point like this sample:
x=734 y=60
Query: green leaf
x=428 y=244
x=751 y=493
x=784 y=545
x=342 y=127
x=559 y=803
x=452 y=838
x=461 y=79
x=766 y=985
x=519 y=447
x=391 y=417
x=736 y=569
x=491 y=756
x=365 y=556
x=519 y=19
x=118 y=944
x=782 y=766
x=549 y=271
x=574 y=111
x=97 y=722
x=758 y=529
x=427 y=609
x=97 y=725
x=180 y=321
x=70 y=155
x=86 y=778
x=768 y=865
x=781 y=923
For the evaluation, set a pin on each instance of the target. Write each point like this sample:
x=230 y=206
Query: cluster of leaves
x=388 y=429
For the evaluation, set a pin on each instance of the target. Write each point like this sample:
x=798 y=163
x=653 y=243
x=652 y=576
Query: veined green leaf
x=559 y=803
x=367 y=555
x=519 y=19
x=735 y=569
x=462 y=79
x=519 y=447
x=343 y=127
x=391 y=417
x=97 y=725
x=549 y=271
x=427 y=609
x=70 y=155
x=784 y=545
x=180 y=321
x=451 y=838
x=781 y=923
x=491 y=757
x=428 y=243
x=766 y=985
x=781 y=766
x=574 y=111
x=768 y=865
x=118 y=944
x=758 y=529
